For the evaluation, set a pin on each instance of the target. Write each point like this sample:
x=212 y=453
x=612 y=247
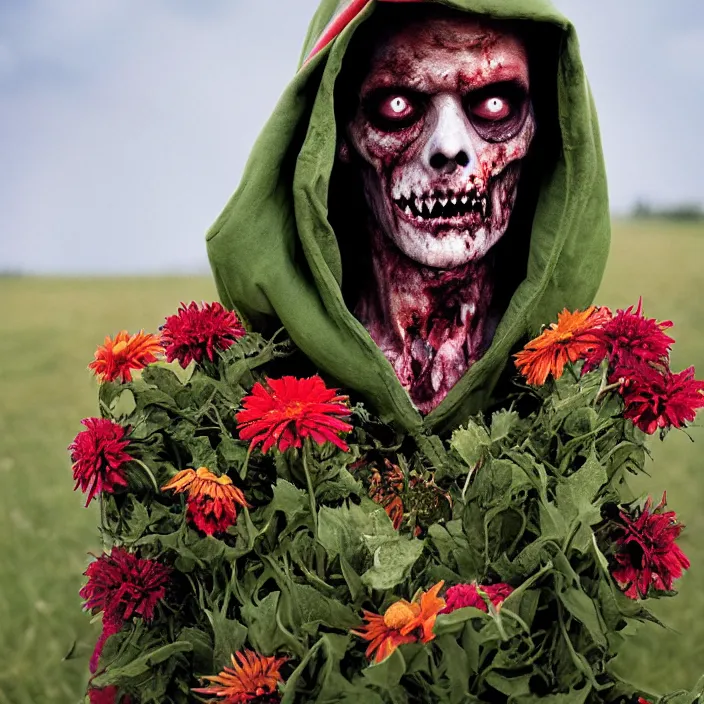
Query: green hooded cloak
x=275 y=256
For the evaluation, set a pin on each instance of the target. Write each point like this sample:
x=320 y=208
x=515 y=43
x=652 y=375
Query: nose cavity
x=450 y=144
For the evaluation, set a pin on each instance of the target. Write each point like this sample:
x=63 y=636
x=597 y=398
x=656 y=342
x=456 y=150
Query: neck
x=431 y=324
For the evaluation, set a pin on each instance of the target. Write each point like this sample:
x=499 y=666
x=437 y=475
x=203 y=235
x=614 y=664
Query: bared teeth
x=446 y=206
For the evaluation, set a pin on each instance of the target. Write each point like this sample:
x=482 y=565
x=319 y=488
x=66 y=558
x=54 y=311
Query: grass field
x=48 y=331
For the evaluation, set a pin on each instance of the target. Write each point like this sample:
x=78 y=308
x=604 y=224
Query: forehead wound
x=440 y=44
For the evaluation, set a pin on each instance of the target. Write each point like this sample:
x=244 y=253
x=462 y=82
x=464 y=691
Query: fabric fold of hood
x=275 y=256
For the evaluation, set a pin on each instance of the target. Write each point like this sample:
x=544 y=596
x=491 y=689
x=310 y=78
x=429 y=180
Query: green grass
x=49 y=329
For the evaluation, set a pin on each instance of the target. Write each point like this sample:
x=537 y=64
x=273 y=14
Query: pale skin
x=443 y=123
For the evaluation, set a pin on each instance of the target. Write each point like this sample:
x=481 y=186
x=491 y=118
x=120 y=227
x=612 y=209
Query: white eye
x=495 y=105
x=398 y=105
x=493 y=109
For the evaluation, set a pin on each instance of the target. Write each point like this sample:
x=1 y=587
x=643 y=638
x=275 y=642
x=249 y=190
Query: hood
x=275 y=256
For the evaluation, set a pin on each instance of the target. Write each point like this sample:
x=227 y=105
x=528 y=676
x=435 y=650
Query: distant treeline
x=683 y=211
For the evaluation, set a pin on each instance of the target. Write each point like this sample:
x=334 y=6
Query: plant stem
x=470 y=474
x=149 y=474
x=311 y=491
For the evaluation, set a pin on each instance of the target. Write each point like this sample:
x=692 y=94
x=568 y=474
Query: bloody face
x=443 y=122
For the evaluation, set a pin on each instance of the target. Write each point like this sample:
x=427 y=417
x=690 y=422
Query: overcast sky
x=125 y=124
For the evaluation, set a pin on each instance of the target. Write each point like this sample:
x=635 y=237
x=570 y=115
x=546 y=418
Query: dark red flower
x=630 y=339
x=656 y=398
x=462 y=595
x=122 y=585
x=212 y=501
x=106 y=695
x=110 y=628
x=197 y=332
x=648 y=556
x=98 y=457
x=290 y=409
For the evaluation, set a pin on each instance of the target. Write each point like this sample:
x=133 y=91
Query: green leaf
x=162 y=376
x=387 y=674
x=264 y=633
x=289 y=500
x=311 y=606
x=203 y=454
x=392 y=563
x=502 y=424
x=229 y=636
x=354 y=581
x=583 y=608
x=202 y=650
x=348 y=529
x=141 y=665
x=575 y=494
x=123 y=405
x=471 y=443
x=233 y=454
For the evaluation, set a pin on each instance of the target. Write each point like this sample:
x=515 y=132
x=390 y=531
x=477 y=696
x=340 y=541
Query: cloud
x=125 y=125
x=129 y=130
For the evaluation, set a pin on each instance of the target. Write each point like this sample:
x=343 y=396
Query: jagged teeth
x=444 y=206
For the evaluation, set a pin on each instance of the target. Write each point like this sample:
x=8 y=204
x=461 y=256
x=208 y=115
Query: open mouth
x=448 y=205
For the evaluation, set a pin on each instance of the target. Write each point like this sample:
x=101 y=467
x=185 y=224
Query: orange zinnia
x=118 y=357
x=403 y=622
x=254 y=676
x=212 y=501
x=568 y=340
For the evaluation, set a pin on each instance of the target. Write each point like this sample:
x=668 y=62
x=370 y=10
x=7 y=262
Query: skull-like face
x=443 y=122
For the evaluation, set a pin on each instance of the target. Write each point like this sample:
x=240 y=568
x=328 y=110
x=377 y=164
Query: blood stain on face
x=443 y=122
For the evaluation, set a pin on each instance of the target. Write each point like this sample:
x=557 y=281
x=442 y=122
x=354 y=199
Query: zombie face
x=443 y=123
x=437 y=137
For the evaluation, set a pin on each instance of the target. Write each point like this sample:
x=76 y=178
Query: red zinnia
x=648 y=555
x=117 y=358
x=122 y=585
x=106 y=695
x=660 y=399
x=630 y=338
x=212 y=500
x=98 y=457
x=571 y=338
x=290 y=409
x=194 y=332
x=462 y=595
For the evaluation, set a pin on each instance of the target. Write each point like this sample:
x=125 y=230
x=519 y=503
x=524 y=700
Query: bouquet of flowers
x=267 y=540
